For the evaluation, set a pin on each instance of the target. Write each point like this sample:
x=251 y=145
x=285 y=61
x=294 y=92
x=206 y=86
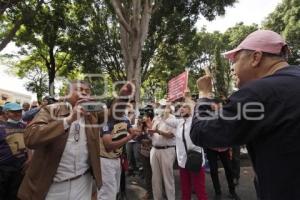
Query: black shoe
x=234 y=196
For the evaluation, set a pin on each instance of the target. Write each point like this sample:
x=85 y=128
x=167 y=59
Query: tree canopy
x=285 y=19
x=73 y=37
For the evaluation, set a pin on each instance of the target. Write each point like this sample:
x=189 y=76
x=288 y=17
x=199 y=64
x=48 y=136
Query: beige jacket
x=46 y=135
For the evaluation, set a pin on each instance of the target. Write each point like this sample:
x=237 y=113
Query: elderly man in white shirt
x=162 y=156
x=74 y=163
x=66 y=149
x=188 y=179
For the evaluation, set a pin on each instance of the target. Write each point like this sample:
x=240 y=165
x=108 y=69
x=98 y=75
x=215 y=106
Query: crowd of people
x=72 y=149
x=150 y=139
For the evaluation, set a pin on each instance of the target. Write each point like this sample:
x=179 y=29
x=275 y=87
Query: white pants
x=111 y=177
x=78 y=189
x=162 y=161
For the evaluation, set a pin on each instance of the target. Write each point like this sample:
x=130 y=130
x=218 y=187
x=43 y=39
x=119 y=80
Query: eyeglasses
x=77 y=132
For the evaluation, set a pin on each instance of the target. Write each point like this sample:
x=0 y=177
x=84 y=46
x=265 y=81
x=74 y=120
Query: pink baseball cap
x=260 y=40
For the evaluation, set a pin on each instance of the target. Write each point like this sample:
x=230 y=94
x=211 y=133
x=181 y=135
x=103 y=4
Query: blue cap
x=12 y=107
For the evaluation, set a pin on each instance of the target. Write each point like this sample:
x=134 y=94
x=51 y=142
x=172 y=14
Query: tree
x=37 y=82
x=33 y=71
x=134 y=19
x=221 y=73
x=172 y=60
x=219 y=67
x=99 y=50
x=205 y=49
x=7 y=4
x=13 y=14
x=45 y=37
x=285 y=19
x=233 y=36
x=67 y=34
x=196 y=53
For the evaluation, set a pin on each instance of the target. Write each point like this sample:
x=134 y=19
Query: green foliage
x=32 y=70
x=198 y=53
x=171 y=32
x=44 y=38
x=210 y=47
x=66 y=35
x=221 y=76
x=286 y=21
x=37 y=83
x=14 y=15
x=94 y=40
x=235 y=35
x=152 y=89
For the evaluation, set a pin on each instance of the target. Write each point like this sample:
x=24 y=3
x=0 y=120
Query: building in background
x=6 y=95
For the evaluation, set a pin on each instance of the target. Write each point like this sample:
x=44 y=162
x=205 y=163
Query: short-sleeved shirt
x=118 y=129
x=13 y=152
x=159 y=140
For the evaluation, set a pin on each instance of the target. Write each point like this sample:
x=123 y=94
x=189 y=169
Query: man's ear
x=256 y=58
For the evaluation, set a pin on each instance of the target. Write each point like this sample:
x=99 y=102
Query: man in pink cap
x=264 y=114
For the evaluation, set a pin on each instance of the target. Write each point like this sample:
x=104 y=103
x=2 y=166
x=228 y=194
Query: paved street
x=245 y=189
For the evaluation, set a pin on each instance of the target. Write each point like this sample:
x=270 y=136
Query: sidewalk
x=135 y=186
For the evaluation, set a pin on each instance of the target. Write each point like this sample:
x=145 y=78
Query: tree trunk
x=134 y=26
x=51 y=72
x=39 y=96
x=26 y=17
x=39 y=90
x=134 y=73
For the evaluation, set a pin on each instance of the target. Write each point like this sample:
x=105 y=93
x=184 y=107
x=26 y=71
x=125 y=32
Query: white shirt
x=74 y=160
x=159 y=140
x=180 y=149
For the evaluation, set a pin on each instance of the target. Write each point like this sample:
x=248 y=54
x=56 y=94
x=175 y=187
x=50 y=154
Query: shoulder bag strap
x=183 y=137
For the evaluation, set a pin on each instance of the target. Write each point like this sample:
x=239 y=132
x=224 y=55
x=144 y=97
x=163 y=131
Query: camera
x=92 y=106
x=146 y=111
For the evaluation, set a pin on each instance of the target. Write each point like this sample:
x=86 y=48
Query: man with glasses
x=65 y=137
x=163 y=154
x=264 y=114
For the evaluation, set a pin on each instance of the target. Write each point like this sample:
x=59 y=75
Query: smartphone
x=92 y=106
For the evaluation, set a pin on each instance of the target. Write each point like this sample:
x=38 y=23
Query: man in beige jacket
x=66 y=149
